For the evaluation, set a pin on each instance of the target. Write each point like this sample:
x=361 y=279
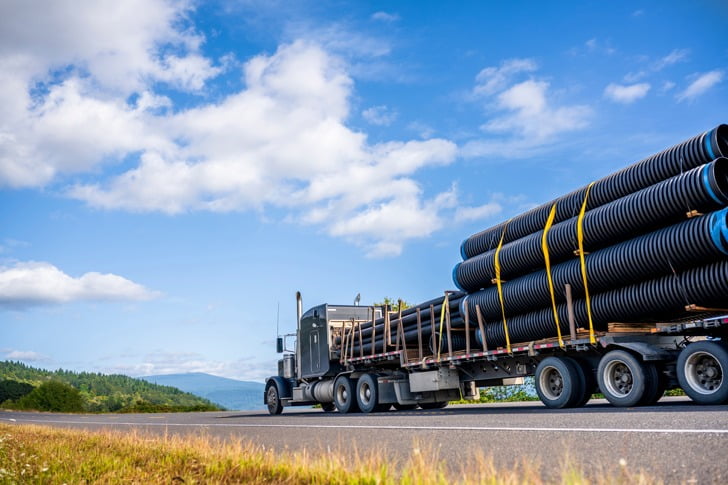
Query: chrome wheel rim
x=703 y=373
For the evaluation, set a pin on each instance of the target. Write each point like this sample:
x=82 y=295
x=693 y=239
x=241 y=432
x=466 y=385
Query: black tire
x=404 y=407
x=273 y=399
x=701 y=372
x=367 y=393
x=590 y=381
x=328 y=407
x=622 y=378
x=345 y=395
x=654 y=385
x=434 y=405
x=560 y=382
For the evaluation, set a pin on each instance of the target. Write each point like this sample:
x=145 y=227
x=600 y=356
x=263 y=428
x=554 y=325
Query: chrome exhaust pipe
x=299 y=314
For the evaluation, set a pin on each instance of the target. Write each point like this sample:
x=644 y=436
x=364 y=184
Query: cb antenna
x=278 y=319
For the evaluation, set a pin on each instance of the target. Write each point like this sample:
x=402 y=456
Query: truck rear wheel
x=701 y=368
x=345 y=395
x=559 y=382
x=623 y=378
x=367 y=393
x=273 y=399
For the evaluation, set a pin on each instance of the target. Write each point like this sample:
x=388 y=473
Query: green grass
x=42 y=455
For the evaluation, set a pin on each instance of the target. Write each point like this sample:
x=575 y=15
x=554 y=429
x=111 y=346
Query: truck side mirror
x=279 y=345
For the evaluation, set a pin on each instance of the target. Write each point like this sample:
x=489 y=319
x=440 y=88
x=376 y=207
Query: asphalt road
x=674 y=440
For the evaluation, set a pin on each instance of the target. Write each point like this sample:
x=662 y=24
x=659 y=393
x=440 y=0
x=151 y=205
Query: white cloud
x=626 y=94
x=593 y=45
x=530 y=114
x=114 y=42
x=379 y=115
x=385 y=17
x=37 y=283
x=25 y=355
x=81 y=93
x=522 y=114
x=493 y=79
x=667 y=86
x=702 y=83
x=485 y=211
x=677 y=55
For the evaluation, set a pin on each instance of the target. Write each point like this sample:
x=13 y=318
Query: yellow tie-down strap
x=580 y=238
x=498 y=282
x=445 y=303
x=547 y=260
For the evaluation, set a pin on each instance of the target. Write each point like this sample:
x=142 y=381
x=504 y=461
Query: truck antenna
x=278 y=318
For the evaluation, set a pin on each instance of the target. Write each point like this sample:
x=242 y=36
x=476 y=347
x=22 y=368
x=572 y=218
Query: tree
x=394 y=305
x=13 y=390
x=52 y=396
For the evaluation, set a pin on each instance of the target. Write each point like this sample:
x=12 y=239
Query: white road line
x=409 y=428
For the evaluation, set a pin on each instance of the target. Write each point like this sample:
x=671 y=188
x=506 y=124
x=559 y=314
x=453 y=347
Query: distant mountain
x=230 y=393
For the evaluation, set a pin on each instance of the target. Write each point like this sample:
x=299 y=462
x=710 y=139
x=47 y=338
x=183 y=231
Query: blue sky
x=172 y=172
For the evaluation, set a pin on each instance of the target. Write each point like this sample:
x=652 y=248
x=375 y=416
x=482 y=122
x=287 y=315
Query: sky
x=172 y=172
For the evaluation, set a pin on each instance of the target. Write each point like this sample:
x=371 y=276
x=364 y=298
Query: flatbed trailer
x=630 y=364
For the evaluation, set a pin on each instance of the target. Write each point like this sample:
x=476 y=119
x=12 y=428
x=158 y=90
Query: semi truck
x=630 y=366
x=619 y=287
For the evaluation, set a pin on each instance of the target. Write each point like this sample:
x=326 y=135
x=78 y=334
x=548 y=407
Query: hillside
x=229 y=393
x=99 y=392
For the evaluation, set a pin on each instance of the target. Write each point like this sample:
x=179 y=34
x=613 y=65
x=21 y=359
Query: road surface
x=674 y=440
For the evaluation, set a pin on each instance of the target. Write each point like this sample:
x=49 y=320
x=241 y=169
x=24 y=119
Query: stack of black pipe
x=655 y=236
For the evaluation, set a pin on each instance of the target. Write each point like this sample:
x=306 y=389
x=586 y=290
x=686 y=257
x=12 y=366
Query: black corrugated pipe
x=411 y=339
x=691 y=243
x=668 y=163
x=662 y=299
x=409 y=316
x=410 y=330
x=458 y=342
x=703 y=188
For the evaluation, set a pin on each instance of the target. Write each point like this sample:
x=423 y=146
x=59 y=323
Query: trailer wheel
x=622 y=378
x=367 y=393
x=273 y=399
x=654 y=384
x=701 y=369
x=434 y=405
x=559 y=382
x=590 y=381
x=344 y=395
x=328 y=407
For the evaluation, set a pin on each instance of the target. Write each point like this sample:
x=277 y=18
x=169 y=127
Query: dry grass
x=35 y=454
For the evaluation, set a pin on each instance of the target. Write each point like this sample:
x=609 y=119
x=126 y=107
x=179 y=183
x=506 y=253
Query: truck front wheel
x=701 y=368
x=273 y=399
x=344 y=395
